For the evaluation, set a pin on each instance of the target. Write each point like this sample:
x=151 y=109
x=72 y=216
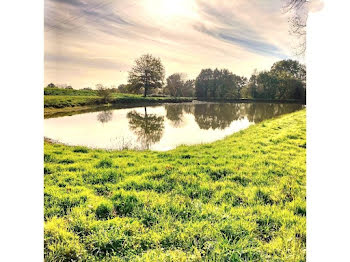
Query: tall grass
x=238 y=199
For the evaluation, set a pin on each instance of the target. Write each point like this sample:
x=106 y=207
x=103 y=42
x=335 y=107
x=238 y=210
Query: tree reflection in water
x=187 y=123
x=105 y=116
x=257 y=112
x=220 y=116
x=148 y=127
x=174 y=113
x=217 y=116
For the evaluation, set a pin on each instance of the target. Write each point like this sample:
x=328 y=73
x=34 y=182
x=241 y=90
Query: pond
x=161 y=127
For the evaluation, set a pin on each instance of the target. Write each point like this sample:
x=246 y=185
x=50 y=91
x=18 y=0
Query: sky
x=88 y=42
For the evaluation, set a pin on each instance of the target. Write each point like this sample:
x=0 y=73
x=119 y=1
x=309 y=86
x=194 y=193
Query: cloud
x=77 y=3
x=94 y=39
x=256 y=46
x=251 y=44
x=106 y=63
x=107 y=17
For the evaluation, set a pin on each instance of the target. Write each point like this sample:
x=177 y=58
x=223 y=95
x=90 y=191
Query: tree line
x=285 y=80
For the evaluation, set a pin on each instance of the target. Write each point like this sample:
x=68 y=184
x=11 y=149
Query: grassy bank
x=238 y=199
x=72 y=101
x=61 y=104
x=253 y=100
x=54 y=91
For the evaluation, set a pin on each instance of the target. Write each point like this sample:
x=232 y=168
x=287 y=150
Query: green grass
x=68 y=92
x=61 y=101
x=237 y=199
x=60 y=105
x=57 y=101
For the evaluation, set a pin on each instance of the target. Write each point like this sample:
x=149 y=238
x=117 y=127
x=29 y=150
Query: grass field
x=55 y=106
x=68 y=92
x=237 y=199
x=72 y=101
x=59 y=102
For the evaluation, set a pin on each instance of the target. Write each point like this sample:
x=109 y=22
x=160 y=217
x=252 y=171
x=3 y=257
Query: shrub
x=104 y=92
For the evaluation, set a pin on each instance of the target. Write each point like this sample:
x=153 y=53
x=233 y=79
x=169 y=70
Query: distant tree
x=129 y=89
x=114 y=89
x=87 y=88
x=68 y=87
x=51 y=85
x=252 y=86
x=239 y=83
x=267 y=85
x=188 y=88
x=292 y=79
x=203 y=82
x=219 y=84
x=104 y=92
x=148 y=72
x=285 y=80
x=213 y=83
x=122 y=88
x=222 y=84
x=289 y=68
x=175 y=85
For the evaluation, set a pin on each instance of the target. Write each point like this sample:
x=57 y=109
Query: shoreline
x=52 y=112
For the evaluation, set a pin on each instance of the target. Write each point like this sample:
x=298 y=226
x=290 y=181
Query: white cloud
x=89 y=42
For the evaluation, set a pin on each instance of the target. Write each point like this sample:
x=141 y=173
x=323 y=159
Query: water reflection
x=217 y=116
x=105 y=116
x=161 y=127
x=175 y=114
x=259 y=112
x=147 y=127
x=220 y=116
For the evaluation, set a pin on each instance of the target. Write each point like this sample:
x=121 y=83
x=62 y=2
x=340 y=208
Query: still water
x=161 y=127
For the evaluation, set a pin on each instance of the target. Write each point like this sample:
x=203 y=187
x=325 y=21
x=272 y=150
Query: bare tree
x=299 y=10
x=295 y=4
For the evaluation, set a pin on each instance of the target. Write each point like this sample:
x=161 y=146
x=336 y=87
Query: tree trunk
x=146 y=84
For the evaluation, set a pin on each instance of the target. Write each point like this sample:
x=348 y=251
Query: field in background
x=237 y=199
x=58 y=101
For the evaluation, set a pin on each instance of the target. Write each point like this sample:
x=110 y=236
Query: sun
x=176 y=8
x=169 y=9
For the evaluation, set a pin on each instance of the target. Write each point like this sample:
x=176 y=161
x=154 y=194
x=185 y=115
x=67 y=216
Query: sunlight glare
x=168 y=9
